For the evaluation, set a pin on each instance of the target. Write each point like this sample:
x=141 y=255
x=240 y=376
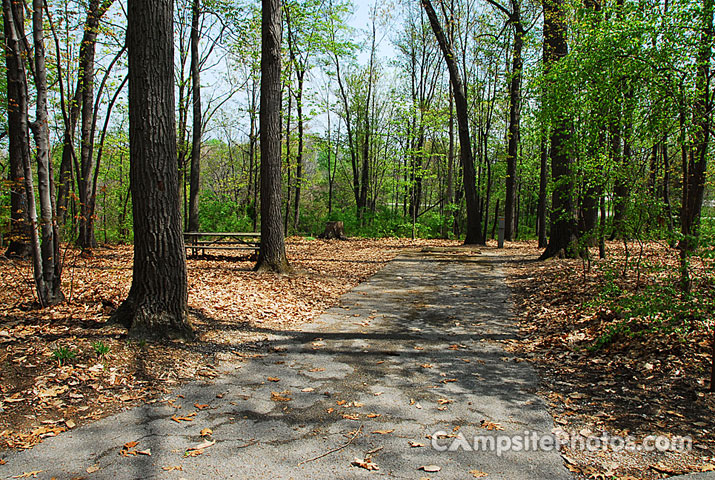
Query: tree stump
x=334 y=230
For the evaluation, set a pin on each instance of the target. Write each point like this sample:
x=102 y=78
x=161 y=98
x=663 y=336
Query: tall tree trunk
x=272 y=256
x=48 y=277
x=563 y=221
x=331 y=175
x=255 y=93
x=543 y=184
x=365 y=166
x=14 y=21
x=289 y=117
x=19 y=142
x=460 y=100
x=194 y=182
x=299 y=157
x=300 y=70
x=514 y=120
x=666 y=187
x=156 y=307
x=81 y=100
x=450 y=163
x=85 y=183
x=694 y=175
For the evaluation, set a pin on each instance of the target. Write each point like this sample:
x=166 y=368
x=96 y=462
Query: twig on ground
x=337 y=449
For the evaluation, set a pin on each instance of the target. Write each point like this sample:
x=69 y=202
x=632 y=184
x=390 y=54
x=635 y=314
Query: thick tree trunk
x=460 y=100
x=194 y=182
x=19 y=142
x=272 y=256
x=563 y=220
x=156 y=307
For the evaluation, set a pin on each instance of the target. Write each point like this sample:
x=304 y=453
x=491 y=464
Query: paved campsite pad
x=413 y=351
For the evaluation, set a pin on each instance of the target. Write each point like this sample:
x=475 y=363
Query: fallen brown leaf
x=486 y=424
x=366 y=463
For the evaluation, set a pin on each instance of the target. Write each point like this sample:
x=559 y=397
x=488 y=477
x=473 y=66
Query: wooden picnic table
x=202 y=241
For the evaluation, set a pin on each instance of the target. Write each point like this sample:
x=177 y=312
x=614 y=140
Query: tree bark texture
x=156 y=307
x=195 y=178
x=18 y=139
x=272 y=256
x=563 y=219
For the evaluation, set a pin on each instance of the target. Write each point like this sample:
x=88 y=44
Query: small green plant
x=63 y=355
x=100 y=348
x=621 y=329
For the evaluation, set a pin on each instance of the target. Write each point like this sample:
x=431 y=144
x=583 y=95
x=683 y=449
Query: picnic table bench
x=202 y=241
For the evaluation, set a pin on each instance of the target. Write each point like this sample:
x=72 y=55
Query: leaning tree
x=465 y=144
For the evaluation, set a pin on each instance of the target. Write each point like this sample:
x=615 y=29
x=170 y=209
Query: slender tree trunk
x=543 y=184
x=695 y=175
x=87 y=166
x=272 y=256
x=460 y=100
x=365 y=164
x=289 y=118
x=666 y=187
x=81 y=103
x=49 y=289
x=195 y=179
x=450 y=161
x=253 y=140
x=299 y=158
x=156 y=307
x=514 y=121
x=496 y=218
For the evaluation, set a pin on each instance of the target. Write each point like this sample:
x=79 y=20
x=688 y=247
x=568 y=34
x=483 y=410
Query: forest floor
x=620 y=350
x=611 y=359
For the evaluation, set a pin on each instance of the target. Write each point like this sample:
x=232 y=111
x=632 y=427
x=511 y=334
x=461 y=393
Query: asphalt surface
x=409 y=364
